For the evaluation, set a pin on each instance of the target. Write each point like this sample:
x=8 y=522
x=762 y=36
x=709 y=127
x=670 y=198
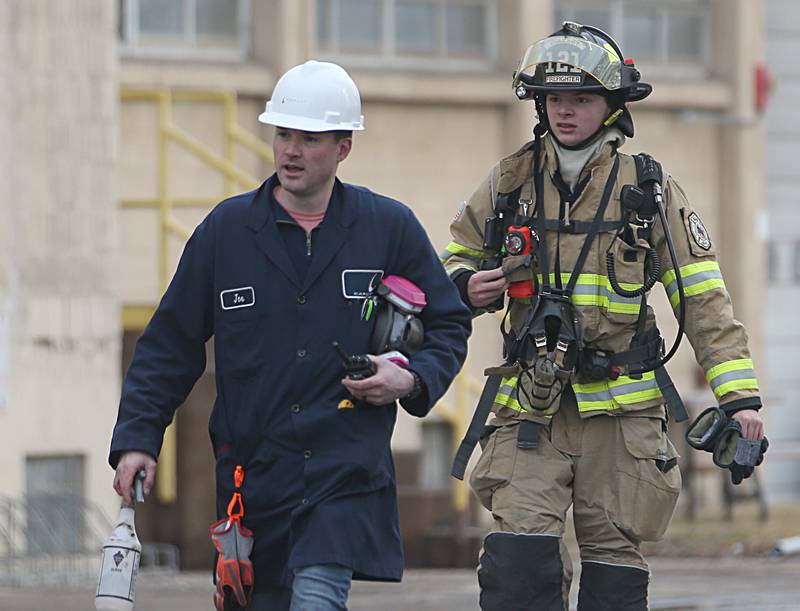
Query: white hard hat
x=315 y=97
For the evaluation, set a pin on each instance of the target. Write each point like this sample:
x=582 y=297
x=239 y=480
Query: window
x=56 y=518
x=670 y=38
x=211 y=29
x=409 y=33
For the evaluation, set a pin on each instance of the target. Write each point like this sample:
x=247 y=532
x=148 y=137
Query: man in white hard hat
x=277 y=276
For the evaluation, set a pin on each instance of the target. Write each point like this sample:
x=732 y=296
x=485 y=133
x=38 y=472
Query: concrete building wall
x=782 y=335
x=59 y=309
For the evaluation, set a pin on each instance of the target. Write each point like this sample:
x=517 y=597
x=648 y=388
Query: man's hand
x=127 y=467
x=751 y=422
x=389 y=383
x=485 y=287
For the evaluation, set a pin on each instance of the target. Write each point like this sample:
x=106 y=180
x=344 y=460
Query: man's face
x=574 y=116
x=306 y=162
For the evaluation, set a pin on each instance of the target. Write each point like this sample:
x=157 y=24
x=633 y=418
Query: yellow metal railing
x=170 y=134
x=458 y=416
x=225 y=164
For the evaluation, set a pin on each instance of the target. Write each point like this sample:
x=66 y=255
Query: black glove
x=749 y=454
x=714 y=431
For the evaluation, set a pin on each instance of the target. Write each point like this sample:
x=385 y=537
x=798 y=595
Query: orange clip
x=236 y=499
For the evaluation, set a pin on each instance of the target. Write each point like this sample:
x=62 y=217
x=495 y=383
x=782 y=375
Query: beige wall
x=58 y=212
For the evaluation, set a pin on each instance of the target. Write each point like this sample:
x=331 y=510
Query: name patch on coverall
x=243 y=297
x=359 y=283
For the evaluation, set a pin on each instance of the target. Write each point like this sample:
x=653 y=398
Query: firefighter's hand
x=485 y=287
x=388 y=384
x=127 y=467
x=751 y=422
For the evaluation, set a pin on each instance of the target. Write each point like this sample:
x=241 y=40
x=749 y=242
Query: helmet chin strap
x=584 y=143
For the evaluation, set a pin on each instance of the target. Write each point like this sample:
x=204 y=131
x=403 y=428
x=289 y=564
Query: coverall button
x=296 y=408
x=301 y=300
x=304 y=501
x=307 y=454
x=301 y=353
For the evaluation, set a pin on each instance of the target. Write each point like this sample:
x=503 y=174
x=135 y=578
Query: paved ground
x=695 y=584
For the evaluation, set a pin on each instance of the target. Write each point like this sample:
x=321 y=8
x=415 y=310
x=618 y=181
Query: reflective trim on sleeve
x=454 y=248
x=732 y=375
x=613 y=394
x=454 y=267
x=697 y=278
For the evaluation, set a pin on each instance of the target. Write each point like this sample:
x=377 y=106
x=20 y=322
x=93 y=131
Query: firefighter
x=575 y=233
x=277 y=276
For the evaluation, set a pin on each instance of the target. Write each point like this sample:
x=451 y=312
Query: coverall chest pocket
x=240 y=342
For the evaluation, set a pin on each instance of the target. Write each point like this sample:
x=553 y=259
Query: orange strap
x=235 y=506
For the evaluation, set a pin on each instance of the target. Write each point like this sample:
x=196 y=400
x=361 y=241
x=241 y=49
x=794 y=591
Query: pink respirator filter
x=403 y=293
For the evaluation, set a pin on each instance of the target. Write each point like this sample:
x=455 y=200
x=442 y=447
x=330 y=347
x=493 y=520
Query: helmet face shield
x=564 y=62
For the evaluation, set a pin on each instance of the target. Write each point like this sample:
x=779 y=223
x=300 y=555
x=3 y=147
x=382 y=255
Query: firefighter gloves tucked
x=716 y=432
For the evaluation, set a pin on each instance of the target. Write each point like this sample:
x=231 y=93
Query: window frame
x=664 y=67
x=386 y=53
x=129 y=35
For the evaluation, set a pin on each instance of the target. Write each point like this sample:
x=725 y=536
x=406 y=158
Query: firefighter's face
x=574 y=116
x=306 y=162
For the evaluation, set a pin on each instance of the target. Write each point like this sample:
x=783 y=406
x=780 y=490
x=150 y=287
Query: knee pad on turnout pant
x=609 y=587
x=521 y=571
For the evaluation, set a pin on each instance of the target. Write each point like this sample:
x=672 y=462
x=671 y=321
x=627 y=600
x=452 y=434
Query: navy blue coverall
x=320 y=482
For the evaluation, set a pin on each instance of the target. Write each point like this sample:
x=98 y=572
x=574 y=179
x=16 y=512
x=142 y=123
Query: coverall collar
x=329 y=238
x=262 y=210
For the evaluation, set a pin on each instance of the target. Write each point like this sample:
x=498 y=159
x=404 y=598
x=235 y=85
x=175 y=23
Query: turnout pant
x=619 y=475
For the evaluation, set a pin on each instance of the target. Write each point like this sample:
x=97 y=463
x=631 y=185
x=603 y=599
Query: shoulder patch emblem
x=699 y=232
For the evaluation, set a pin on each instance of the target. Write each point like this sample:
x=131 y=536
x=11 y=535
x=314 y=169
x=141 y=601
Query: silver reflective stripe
x=692 y=280
x=729 y=376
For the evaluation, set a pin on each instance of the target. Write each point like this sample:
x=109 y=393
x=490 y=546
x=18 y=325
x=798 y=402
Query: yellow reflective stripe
x=451 y=269
x=592 y=406
x=454 y=248
x=611 y=394
x=600 y=294
x=737 y=374
x=727 y=366
x=696 y=289
x=688 y=270
x=697 y=278
x=504 y=394
x=639 y=396
x=592 y=279
x=591 y=388
x=743 y=384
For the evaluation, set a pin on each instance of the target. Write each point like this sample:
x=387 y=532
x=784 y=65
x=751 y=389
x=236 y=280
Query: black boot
x=612 y=587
